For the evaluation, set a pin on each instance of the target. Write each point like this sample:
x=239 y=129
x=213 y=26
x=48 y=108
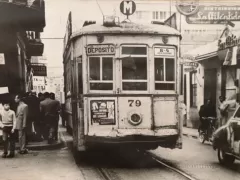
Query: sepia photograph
x=119 y=89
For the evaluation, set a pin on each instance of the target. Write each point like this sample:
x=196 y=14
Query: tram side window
x=134 y=69
x=101 y=73
x=164 y=73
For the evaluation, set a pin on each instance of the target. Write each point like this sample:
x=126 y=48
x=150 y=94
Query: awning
x=204 y=52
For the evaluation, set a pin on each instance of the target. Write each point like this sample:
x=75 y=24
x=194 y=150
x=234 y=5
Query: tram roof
x=127 y=28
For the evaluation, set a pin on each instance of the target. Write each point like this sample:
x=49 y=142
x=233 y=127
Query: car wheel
x=224 y=158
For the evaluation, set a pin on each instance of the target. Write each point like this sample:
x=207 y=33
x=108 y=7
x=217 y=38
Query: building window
x=101 y=73
x=193 y=89
x=156 y=15
x=134 y=68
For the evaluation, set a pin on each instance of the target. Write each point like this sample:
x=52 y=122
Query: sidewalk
x=38 y=145
x=189 y=132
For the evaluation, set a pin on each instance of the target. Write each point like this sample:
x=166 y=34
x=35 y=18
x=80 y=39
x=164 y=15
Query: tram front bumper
x=135 y=138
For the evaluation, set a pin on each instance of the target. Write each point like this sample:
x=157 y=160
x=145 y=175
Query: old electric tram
x=122 y=84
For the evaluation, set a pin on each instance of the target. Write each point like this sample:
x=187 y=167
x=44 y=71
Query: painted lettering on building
x=214 y=15
x=101 y=49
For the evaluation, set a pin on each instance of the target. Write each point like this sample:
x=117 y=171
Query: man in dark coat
x=206 y=110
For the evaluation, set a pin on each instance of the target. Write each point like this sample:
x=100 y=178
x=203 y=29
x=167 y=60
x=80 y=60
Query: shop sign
x=187 y=8
x=230 y=41
x=100 y=49
x=191 y=69
x=102 y=112
x=4 y=90
x=214 y=15
x=2 y=59
x=39 y=70
x=186 y=58
x=164 y=51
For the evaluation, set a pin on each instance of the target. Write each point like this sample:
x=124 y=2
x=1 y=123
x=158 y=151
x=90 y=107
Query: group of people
x=29 y=116
x=209 y=110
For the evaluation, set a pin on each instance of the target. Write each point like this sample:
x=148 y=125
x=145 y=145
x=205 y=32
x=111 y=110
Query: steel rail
x=156 y=159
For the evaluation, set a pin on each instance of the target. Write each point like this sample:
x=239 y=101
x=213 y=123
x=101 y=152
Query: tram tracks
x=110 y=172
x=174 y=169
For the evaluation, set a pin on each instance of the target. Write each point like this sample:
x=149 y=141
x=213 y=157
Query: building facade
x=19 y=40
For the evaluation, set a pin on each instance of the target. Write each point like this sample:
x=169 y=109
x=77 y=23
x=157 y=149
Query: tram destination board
x=103 y=112
x=100 y=49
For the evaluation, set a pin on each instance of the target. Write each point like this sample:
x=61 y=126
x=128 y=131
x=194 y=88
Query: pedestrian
x=8 y=125
x=183 y=110
x=49 y=108
x=34 y=114
x=223 y=106
x=41 y=97
x=21 y=122
x=57 y=112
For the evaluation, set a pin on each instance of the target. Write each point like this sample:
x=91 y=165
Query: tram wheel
x=224 y=158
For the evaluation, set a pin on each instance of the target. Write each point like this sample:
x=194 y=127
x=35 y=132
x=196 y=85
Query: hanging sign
x=102 y=112
x=214 y=15
x=127 y=7
x=2 y=59
x=187 y=8
x=230 y=41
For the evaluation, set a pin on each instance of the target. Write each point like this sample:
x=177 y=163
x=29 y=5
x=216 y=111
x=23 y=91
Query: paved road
x=196 y=159
x=199 y=160
x=40 y=165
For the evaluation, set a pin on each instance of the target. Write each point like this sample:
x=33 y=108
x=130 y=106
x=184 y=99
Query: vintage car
x=226 y=140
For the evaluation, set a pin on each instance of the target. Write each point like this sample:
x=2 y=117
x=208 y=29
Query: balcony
x=28 y=14
x=34 y=46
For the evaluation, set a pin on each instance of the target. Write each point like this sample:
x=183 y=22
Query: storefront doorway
x=210 y=85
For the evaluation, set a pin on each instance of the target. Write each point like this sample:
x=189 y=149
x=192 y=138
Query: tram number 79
x=133 y=102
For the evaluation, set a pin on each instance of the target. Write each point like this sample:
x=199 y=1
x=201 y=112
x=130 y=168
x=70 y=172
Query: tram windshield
x=134 y=68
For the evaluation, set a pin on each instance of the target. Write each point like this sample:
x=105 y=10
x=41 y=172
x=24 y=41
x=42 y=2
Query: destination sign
x=164 y=51
x=101 y=49
x=214 y=15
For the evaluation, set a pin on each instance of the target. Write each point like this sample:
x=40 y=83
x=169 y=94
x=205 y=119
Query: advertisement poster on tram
x=103 y=112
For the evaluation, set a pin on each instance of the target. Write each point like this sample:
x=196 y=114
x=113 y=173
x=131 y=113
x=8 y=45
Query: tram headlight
x=135 y=119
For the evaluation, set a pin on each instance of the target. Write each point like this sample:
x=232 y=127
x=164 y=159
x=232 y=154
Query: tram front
x=130 y=80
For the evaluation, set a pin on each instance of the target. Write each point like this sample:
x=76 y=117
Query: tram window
x=134 y=50
x=134 y=86
x=101 y=72
x=107 y=67
x=101 y=86
x=164 y=73
x=159 y=69
x=170 y=73
x=94 y=64
x=134 y=68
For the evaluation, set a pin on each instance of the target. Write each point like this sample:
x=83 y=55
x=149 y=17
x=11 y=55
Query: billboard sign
x=39 y=70
x=103 y=112
x=214 y=15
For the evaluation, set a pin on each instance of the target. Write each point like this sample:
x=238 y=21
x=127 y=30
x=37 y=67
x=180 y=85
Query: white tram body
x=122 y=86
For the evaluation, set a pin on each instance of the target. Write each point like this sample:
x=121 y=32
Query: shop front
x=217 y=74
